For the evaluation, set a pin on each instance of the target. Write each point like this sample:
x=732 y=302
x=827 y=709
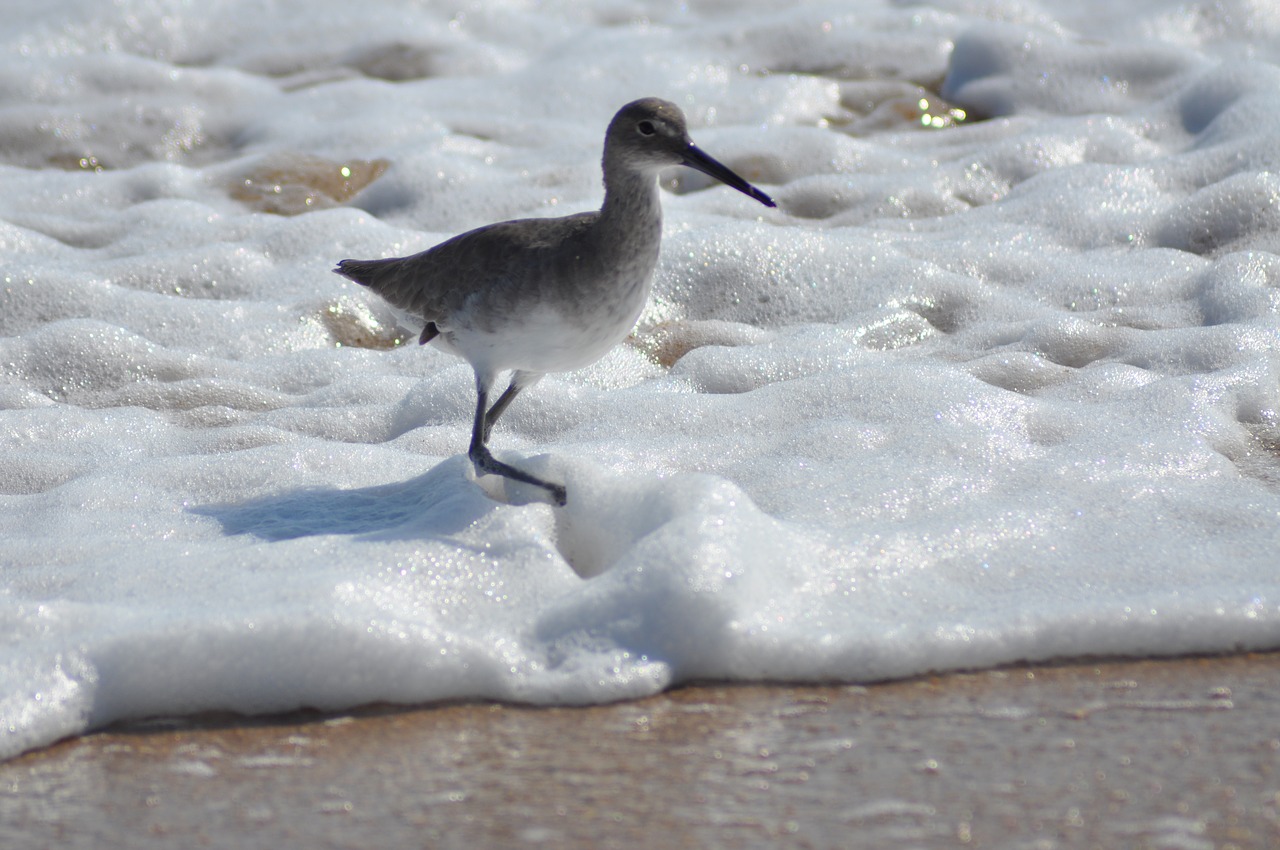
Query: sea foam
x=997 y=381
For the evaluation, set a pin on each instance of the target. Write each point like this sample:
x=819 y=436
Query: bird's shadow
x=439 y=502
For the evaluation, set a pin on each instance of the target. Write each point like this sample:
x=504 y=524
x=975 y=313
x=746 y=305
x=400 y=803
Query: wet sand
x=1145 y=754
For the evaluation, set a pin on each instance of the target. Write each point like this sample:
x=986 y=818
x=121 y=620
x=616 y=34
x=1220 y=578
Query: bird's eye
x=646 y=128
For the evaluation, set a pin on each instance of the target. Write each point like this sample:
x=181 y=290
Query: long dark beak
x=695 y=158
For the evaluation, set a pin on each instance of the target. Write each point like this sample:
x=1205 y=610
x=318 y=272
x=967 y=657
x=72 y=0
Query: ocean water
x=998 y=380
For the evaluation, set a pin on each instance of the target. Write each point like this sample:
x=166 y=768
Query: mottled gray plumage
x=548 y=295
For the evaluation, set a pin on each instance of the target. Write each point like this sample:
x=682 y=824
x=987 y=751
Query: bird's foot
x=486 y=463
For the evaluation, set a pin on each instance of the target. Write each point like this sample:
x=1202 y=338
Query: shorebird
x=533 y=296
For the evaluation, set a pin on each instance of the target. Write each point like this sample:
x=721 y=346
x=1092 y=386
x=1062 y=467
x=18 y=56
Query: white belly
x=541 y=340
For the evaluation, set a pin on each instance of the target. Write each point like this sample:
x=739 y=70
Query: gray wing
x=492 y=262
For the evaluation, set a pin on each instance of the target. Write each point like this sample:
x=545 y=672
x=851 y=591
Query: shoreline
x=1148 y=753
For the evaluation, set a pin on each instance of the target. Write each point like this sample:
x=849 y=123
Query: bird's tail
x=363 y=272
x=389 y=279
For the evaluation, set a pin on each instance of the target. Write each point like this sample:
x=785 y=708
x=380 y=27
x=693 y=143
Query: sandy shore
x=1151 y=754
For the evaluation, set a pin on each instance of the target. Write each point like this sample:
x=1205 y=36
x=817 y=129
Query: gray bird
x=550 y=294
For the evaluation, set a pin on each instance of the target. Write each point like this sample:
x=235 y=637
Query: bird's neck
x=631 y=200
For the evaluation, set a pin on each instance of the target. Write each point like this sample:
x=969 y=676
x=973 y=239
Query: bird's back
x=489 y=272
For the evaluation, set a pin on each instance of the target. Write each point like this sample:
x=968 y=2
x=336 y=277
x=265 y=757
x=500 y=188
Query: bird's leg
x=498 y=406
x=519 y=381
x=486 y=463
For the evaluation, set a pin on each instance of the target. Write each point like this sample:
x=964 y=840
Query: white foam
x=1003 y=391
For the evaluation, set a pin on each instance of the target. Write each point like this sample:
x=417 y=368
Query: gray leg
x=519 y=381
x=486 y=463
x=498 y=406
